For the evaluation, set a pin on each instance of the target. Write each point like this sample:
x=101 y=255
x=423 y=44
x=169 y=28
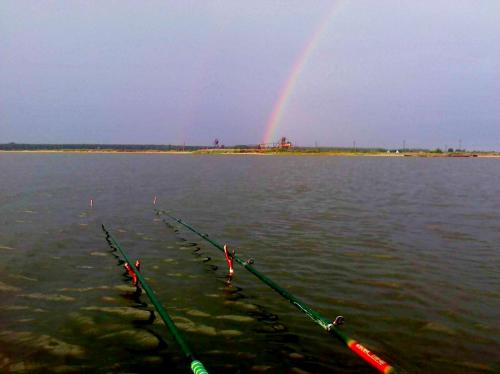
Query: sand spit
x=48 y=297
x=236 y=318
x=127 y=312
x=241 y=305
x=7 y=288
x=187 y=325
x=197 y=313
x=83 y=289
x=255 y=152
x=45 y=343
x=138 y=340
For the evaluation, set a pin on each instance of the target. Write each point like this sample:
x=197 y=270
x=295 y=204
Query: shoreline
x=265 y=153
x=100 y=151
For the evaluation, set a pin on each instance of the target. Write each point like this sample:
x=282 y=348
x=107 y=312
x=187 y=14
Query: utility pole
x=459 y=144
x=404 y=145
x=354 y=145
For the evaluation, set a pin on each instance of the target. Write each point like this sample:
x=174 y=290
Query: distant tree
x=450 y=150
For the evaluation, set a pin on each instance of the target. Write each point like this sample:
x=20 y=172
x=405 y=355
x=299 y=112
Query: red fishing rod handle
x=371 y=358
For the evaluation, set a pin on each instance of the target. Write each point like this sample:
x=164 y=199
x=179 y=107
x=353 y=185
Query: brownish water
x=406 y=249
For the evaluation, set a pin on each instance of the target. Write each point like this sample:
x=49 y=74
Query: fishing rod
x=196 y=366
x=330 y=326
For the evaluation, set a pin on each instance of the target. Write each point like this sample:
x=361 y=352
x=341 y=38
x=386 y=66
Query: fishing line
x=260 y=313
x=332 y=327
x=195 y=365
x=206 y=259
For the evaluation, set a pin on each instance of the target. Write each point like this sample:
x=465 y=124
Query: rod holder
x=229 y=259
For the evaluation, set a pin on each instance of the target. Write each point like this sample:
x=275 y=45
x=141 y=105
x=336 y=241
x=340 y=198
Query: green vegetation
x=243 y=149
x=97 y=147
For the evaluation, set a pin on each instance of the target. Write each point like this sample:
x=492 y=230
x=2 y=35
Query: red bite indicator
x=131 y=273
x=229 y=259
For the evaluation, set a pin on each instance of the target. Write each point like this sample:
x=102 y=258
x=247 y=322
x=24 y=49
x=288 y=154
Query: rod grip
x=198 y=368
x=371 y=358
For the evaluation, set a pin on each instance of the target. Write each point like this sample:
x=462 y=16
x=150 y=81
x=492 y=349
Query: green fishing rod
x=330 y=326
x=196 y=366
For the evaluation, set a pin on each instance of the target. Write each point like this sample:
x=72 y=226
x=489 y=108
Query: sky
x=326 y=73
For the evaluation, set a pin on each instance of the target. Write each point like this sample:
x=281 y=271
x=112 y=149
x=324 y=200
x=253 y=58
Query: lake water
x=406 y=249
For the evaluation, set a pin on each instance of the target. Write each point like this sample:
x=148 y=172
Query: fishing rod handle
x=371 y=358
x=198 y=368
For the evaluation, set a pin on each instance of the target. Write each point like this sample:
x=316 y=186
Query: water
x=406 y=249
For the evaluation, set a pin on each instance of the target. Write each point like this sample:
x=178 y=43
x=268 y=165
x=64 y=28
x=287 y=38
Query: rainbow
x=280 y=104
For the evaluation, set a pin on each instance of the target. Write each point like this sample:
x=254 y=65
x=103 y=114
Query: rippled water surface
x=406 y=249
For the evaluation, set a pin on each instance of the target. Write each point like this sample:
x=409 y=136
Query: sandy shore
x=99 y=151
x=264 y=153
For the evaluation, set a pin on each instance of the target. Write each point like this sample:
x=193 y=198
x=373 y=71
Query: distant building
x=284 y=143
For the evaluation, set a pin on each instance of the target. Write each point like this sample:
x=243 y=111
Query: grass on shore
x=267 y=152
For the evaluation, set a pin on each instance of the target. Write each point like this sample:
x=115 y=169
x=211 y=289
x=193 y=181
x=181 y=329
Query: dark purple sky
x=161 y=72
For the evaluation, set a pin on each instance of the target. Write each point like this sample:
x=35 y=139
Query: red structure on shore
x=284 y=143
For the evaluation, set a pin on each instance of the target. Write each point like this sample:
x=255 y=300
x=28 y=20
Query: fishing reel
x=339 y=320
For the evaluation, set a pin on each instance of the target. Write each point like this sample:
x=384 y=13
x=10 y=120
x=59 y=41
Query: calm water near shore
x=406 y=249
